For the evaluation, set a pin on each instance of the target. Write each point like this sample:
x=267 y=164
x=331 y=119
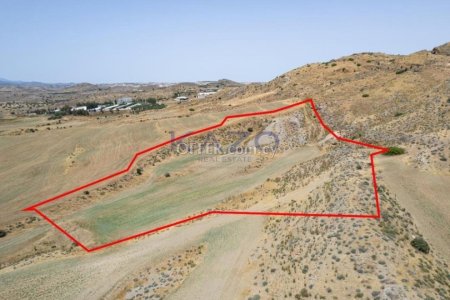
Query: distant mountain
x=31 y=84
x=219 y=83
x=36 y=84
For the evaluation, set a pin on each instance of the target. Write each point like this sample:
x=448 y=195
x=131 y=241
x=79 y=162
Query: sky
x=173 y=41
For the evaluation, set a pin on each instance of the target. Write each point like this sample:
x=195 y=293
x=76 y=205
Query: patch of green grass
x=155 y=204
x=395 y=151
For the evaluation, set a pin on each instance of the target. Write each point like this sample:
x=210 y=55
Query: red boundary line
x=35 y=206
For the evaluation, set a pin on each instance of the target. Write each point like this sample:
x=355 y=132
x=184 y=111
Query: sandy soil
x=424 y=195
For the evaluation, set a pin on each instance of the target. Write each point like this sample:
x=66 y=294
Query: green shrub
x=2 y=233
x=420 y=244
x=365 y=95
x=400 y=71
x=333 y=64
x=80 y=113
x=139 y=171
x=398 y=114
x=304 y=292
x=305 y=270
x=191 y=109
x=167 y=174
x=395 y=151
x=388 y=229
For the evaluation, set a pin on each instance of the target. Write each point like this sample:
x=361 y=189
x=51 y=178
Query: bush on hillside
x=56 y=116
x=400 y=71
x=420 y=244
x=395 y=151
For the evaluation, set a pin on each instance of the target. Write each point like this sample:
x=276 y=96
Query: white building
x=181 y=98
x=99 y=108
x=202 y=95
x=78 y=108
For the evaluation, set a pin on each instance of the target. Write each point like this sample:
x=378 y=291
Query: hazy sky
x=142 y=41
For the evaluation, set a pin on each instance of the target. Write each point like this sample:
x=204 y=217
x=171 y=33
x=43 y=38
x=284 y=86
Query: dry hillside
x=387 y=100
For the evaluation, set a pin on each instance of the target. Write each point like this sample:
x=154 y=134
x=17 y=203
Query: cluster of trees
x=149 y=100
x=67 y=110
x=147 y=104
